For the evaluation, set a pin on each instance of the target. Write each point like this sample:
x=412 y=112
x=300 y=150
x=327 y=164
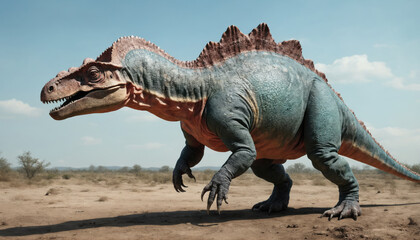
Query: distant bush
x=91 y=168
x=124 y=169
x=101 y=169
x=165 y=169
x=415 y=168
x=298 y=168
x=136 y=169
x=366 y=169
x=4 y=169
x=31 y=166
x=66 y=176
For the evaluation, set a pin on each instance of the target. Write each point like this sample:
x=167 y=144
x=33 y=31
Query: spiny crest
x=116 y=53
x=232 y=43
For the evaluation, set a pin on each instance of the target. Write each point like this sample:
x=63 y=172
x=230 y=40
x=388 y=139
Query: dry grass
x=20 y=198
x=368 y=180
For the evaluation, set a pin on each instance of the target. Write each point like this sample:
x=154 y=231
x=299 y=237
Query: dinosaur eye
x=94 y=74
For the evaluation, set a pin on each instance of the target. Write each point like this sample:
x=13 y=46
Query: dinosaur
x=246 y=94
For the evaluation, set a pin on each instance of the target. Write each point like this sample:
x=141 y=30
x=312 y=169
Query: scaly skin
x=259 y=100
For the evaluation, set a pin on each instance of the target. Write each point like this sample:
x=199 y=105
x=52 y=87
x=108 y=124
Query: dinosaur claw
x=204 y=192
x=345 y=209
x=190 y=175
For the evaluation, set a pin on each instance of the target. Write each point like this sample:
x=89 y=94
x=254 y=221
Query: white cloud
x=146 y=146
x=358 y=69
x=399 y=83
x=355 y=69
x=17 y=107
x=88 y=140
x=413 y=74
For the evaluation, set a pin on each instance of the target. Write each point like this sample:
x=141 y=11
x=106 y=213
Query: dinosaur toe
x=345 y=209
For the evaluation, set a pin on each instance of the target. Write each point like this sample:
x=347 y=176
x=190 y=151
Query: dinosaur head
x=98 y=85
x=94 y=87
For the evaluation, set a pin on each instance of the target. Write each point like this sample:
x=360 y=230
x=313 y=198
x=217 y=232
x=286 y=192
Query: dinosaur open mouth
x=68 y=100
x=75 y=97
x=86 y=102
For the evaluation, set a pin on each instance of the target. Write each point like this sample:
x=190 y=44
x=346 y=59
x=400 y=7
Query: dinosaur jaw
x=94 y=101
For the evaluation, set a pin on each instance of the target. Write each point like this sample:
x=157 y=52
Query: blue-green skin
x=281 y=102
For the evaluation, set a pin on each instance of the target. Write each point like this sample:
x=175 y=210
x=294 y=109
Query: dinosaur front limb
x=180 y=169
x=231 y=123
x=237 y=164
x=219 y=185
x=191 y=155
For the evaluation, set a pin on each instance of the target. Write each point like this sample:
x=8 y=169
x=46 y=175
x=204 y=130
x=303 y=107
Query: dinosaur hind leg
x=274 y=173
x=322 y=136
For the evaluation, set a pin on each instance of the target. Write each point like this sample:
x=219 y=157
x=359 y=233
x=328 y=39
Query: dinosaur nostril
x=50 y=88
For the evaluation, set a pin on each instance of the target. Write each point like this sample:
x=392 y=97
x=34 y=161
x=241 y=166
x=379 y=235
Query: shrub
x=31 y=166
x=4 y=169
x=165 y=169
x=101 y=169
x=124 y=169
x=136 y=169
x=298 y=168
x=416 y=168
x=91 y=168
x=66 y=176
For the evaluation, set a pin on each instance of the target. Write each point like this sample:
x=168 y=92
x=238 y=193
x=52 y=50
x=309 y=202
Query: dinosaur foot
x=345 y=209
x=278 y=201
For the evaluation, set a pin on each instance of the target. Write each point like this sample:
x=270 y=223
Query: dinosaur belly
x=266 y=147
x=198 y=129
x=273 y=148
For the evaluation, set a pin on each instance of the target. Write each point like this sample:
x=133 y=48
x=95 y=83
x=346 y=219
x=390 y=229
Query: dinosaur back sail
x=232 y=43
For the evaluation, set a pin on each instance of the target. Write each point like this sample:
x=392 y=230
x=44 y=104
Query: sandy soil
x=75 y=210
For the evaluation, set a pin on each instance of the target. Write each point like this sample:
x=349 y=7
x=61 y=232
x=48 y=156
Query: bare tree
x=31 y=166
x=4 y=165
x=4 y=169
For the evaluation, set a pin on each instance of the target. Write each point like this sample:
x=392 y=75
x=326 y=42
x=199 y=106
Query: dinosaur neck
x=163 y=88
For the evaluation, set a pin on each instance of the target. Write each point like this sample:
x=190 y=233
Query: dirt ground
x=72 y=209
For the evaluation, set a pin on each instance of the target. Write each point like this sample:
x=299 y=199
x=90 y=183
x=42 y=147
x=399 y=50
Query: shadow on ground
x=198 y=218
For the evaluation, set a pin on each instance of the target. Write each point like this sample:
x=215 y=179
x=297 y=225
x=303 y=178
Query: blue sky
x=368 y=49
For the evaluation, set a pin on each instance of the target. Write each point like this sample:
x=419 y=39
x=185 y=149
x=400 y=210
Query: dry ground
x=121 y=207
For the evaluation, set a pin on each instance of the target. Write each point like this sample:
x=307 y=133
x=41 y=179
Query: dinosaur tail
x=364 y=148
